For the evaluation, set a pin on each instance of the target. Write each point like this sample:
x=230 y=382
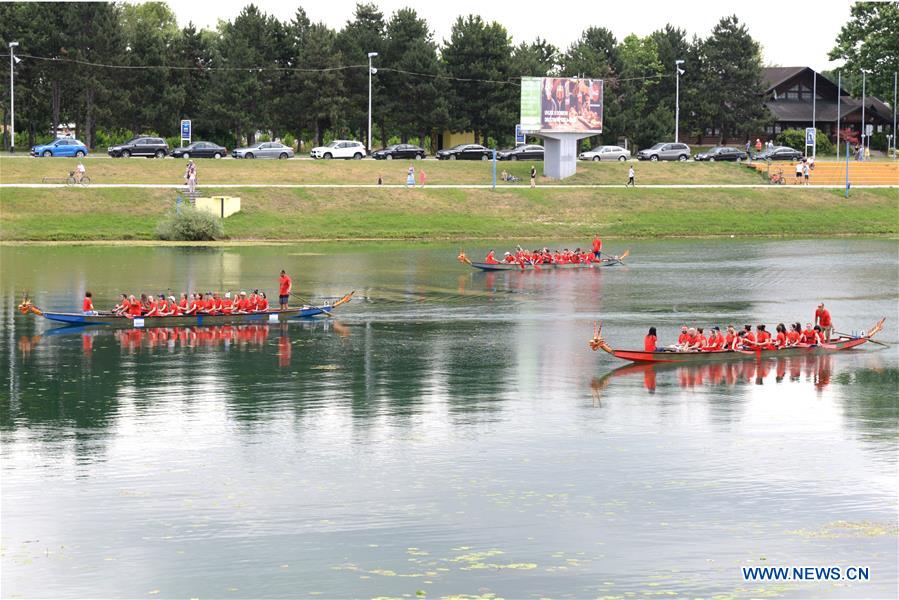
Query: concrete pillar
x=560 y=154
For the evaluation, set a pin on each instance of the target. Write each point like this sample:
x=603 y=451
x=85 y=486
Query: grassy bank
x=297 y=214
x=211 y=172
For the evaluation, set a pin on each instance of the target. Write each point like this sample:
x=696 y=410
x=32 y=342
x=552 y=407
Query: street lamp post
x=863 y=114
x=678 y=72
x=12 y=97
x=371 y=71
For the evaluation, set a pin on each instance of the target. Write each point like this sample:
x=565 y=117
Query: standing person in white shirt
x=630 y=177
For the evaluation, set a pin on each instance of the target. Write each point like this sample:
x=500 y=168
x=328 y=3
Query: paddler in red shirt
x=227 y=304
x=822 y=318
x=122 y=307
x=780 y=340
x=730 y=340
x=794 y=336
x=183 y=304
x=262 y=304
x=597 y=247
x=284 y=289
x=134 y=307
x=172 y=308
x=491 y=258
x=763 y=338
x=154 y=307
x=809 y=335
x=683 y=340
x=88 y=305
x=649 y=342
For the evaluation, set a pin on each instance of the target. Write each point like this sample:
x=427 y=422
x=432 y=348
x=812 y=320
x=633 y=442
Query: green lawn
x=297 y=214
x=210 y=172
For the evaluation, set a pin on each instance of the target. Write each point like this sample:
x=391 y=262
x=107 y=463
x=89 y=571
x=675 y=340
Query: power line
x=204 y=68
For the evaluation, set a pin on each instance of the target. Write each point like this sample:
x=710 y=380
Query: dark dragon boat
x=112 y=320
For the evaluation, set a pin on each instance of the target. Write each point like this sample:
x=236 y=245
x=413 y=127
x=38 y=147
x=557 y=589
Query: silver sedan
x=264 y=150
x=606 y=153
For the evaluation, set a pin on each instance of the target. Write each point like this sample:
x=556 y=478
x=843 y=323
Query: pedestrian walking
x=410 y=177
x=758 y=145
x=799 y=173
x=630 y=177
x=422 y=177
x=805 y=172
x=190 y=176
x=533 y=176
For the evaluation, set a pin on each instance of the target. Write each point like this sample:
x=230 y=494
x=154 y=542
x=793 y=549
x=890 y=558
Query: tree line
x=114 y=69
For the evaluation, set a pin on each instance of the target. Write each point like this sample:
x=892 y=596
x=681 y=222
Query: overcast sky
x=791 y=33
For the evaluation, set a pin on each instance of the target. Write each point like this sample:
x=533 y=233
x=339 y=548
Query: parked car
x=779 y=153
x=399 y=151
x=665 y=151
x=264 y=150
x=140 y=146
x=606 y=153
x=60 y=147
x=521 y=152
x=340 y=149
x=200 y=150
x=465 y=152
x=721 y=153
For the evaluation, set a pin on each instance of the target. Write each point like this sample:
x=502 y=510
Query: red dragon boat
x=844 y=342
x=609 y=261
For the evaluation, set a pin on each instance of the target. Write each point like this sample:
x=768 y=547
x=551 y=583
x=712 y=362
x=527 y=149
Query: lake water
x=450 y=433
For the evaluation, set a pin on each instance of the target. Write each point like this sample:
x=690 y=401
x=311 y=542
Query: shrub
x=795 y=138
x=186 y=224
x=289 y=140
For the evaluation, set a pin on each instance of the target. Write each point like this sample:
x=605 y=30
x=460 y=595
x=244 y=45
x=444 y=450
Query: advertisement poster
x=561 y=105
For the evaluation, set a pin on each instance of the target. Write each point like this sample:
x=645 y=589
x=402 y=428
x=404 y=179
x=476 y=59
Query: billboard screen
x=561 y=105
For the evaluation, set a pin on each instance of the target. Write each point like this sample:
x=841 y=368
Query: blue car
x=61 y=147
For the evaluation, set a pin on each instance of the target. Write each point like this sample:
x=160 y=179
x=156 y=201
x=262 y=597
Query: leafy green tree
x=593 y=55
x=415 y=94
x=870 y=41
x=732 y=80
x=536 y=59
x=243 y=91
x=639 y=117
x=364 y=34
x=152 y=93
x=483 y=97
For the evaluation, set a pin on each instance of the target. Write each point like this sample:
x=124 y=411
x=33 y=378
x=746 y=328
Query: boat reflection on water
x=222 y=337
x=814 y=369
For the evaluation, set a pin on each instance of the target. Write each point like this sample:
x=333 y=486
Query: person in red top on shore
x=491 y=258
x=284 y=288
x=649 y=342
x=88 y=305
x=597 y=247
x=822 y=318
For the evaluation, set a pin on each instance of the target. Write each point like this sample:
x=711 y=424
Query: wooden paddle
x=309 y=303
x=868 y=338
x=619 y=259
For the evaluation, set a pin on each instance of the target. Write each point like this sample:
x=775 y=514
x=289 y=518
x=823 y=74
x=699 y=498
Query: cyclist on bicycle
x=79 y=172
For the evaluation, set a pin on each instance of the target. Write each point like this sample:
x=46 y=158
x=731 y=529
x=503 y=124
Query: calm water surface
x=451 y=433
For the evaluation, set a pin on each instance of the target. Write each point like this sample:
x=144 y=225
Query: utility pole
x=814 y=98
x=371 y=71
x=678 y=72
x=863 y=114
x=839 y=102
x=894 y=114
x=12 y=97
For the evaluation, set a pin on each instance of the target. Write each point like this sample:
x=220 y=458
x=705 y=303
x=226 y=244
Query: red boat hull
x=641 y=356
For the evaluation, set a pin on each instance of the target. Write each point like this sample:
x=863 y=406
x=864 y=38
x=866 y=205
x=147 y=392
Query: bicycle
x=778 y=177
x=71 y=180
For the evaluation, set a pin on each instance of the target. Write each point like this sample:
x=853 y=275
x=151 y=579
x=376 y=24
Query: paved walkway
x=561 y=186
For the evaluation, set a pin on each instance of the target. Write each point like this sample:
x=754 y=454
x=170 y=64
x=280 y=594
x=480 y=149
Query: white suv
x=339 y=149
